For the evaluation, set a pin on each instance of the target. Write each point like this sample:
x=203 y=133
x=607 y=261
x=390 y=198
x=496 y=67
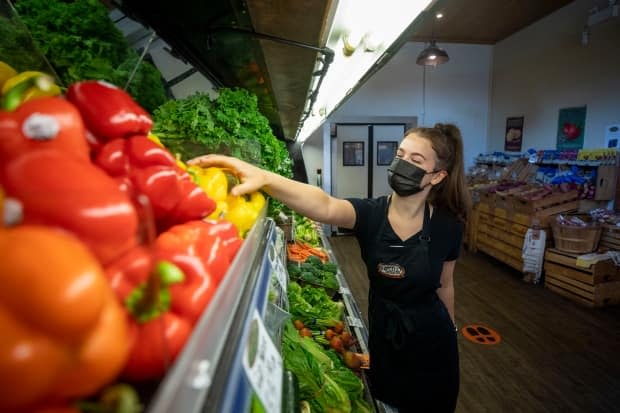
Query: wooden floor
x=555 y=356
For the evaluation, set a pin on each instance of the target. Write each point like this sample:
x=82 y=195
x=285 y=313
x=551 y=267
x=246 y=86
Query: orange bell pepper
x=64 y=334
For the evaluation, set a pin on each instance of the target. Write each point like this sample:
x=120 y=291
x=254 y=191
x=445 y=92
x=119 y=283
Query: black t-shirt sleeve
x=362 y=209
x=367 y=212
x=457 y=239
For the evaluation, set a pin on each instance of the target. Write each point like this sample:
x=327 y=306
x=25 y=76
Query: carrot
x=300 y=251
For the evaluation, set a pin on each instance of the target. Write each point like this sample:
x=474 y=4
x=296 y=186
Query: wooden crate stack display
x=500 y=226
x=610 y=238
x=595 y=286
x=500 y=236
x=519 y=171
x=552 y=204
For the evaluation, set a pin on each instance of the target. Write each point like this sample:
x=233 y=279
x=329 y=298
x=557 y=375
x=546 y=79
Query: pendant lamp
x=432 y=55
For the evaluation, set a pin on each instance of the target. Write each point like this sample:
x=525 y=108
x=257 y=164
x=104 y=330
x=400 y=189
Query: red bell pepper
x=109 y=112
x=59 y=190
x=196 y=247
x=44 y=123
x=143 y=167
x=144 y=285
x=167 y=287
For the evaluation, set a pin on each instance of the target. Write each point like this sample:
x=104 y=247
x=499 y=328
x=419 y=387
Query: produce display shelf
x=235 y=392
x=198 y=380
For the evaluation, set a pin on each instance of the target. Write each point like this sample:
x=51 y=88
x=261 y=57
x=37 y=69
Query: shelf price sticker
x=345 y=291
x=281 y=274
x=263 y=366
x=354 y=322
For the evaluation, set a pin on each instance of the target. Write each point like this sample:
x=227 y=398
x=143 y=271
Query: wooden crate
x=501 y=252
x=595 y=286
x=487 y=201
x=610 y=238
x=550 y=202
x=606 y=177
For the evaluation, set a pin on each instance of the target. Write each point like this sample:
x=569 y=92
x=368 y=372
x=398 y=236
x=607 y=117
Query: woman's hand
x=251 y=177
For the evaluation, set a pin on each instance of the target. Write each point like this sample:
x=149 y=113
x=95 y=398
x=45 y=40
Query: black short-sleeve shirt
x=446 y=230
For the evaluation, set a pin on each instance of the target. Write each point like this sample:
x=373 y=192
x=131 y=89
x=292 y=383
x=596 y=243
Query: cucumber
x=290 y=393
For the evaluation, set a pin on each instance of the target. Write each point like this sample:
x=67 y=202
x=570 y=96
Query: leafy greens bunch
x=81 y=42
x=230 y=124
x=324 y=381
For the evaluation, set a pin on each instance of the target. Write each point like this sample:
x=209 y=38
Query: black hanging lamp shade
x=432 y=55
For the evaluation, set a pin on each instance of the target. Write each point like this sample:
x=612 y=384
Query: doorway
x=361 y=154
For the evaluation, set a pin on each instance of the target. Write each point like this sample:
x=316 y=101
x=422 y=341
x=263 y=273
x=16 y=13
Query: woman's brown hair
x=452 y=192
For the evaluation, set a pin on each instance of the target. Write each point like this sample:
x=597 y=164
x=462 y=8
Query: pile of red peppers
x=84 y=164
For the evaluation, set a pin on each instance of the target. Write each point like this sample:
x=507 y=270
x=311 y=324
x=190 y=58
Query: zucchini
x=290 y=393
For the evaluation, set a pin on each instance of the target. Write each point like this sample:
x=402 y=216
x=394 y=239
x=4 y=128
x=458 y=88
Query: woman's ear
x=438 y=177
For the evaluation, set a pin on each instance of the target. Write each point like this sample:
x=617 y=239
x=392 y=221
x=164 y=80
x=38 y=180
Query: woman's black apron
x=413 y=347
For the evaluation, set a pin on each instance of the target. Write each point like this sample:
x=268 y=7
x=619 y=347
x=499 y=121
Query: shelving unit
x=209 y=374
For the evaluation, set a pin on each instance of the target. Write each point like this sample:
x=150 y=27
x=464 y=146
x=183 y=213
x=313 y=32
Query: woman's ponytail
x=452 y=193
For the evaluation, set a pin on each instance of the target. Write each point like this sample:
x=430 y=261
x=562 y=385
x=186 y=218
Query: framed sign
x=513 y=139
x=571 y=127
x=353 y=153
x=386 y=151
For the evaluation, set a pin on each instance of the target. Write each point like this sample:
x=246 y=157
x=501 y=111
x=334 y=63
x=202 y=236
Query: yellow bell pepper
x=241 y=213
x=257 y=200
x=212 y=180
x=6 y=72
x=221 y=209
x=26 y=86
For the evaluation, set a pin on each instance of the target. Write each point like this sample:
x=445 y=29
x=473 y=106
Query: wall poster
x=571 y=128
x=386 y=151
x=513 y=139
x=353 y=153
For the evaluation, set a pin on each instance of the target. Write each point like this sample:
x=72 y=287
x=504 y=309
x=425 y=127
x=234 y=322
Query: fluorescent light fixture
x=379 y=25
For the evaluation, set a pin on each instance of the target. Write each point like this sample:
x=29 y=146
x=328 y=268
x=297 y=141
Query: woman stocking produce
x=410 y=241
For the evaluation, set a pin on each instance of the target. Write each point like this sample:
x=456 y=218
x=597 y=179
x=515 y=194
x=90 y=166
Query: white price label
x=345 y=291
x=263 y=366
x=354 y=322
x=281 y=274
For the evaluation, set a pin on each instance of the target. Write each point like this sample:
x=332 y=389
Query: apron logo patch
x=391 y=270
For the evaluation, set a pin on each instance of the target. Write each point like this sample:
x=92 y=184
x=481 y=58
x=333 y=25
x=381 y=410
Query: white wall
x=457 y=92
x=312 y=151
x=544 y=67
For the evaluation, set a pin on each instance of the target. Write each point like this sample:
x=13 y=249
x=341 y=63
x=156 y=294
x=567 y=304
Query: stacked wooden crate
x=500 y=234
x=610 y=237
x=504 y=218
x=594 y=286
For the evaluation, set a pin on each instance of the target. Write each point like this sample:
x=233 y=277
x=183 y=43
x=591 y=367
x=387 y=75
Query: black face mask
x=405 y=178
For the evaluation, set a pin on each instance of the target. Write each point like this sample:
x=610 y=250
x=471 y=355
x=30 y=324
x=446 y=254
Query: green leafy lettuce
x=80 y=42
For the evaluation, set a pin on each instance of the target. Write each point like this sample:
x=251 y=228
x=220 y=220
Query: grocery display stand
x=208 y=375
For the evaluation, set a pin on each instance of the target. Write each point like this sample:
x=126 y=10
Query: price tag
x=354 y=322
x=281 y=274
x=263 y=366
x=345 y=291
